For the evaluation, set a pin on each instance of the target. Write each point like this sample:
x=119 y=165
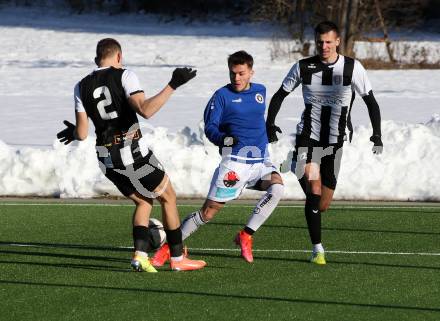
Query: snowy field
x=45 y=53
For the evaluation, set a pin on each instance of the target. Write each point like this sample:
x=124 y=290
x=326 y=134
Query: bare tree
x=385 y=31
x=351 y=27
x=300 y=12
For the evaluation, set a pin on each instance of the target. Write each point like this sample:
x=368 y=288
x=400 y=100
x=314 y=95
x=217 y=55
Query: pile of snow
x=407 y=170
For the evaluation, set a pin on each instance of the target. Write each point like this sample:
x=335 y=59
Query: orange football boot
x=245 y=240
x=187 y=265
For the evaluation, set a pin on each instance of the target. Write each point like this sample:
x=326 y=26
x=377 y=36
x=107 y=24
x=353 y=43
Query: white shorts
x=231 y=177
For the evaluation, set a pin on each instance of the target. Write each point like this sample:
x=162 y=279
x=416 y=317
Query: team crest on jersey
x=259 y=98
x=337 y=79
x=231 y=178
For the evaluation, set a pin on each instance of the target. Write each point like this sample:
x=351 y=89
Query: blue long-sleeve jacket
x=238 y=114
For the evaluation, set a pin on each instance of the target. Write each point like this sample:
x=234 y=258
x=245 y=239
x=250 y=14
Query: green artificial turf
x=63 y=262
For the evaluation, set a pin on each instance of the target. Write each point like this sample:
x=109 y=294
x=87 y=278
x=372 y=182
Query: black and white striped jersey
x=103 y=95
x=327 y=90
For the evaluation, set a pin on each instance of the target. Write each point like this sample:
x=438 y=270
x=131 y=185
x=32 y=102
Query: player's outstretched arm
x=375 y=118
x=274 y=108
x=148 y=107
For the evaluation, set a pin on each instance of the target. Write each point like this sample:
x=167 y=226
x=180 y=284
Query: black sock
x=174 y=239
x=313 y=217
x=303 y=183
x=248 y=230
x=141 y=238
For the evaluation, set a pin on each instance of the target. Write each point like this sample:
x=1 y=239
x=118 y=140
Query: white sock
x=141 y=253
x=318 y=248
x=191 y=223
x=177 y=258
x=265 y=206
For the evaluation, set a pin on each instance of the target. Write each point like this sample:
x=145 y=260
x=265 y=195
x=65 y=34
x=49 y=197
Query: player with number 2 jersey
x=112 y=98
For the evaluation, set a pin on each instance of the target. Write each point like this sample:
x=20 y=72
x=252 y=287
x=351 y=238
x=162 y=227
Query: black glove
x=181 y=76
x=230 y=141
x=67 y=135
x=272 y=130
x=378 y=146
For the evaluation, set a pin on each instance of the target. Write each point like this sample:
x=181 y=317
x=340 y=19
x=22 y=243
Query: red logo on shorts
x=231 y=178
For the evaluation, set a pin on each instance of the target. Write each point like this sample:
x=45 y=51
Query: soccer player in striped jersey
x=329 y=81
x=234 y=121
x=112 y=97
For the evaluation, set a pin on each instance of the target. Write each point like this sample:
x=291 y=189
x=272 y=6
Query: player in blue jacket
x=234 y=121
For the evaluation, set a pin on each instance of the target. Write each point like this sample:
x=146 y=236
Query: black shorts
x=143 y=177
x=327 y=156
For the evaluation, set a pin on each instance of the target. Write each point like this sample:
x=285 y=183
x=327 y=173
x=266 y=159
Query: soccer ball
x=157 y=236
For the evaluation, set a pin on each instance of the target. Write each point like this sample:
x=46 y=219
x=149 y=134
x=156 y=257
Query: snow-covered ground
x=45 y=53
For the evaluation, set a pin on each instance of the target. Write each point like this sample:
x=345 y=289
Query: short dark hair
x=106 y=48
x=240 y=58
x=326 y=26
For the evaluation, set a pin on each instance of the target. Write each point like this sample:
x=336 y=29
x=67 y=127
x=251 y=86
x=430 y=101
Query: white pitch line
x=330 y=251
x=254 y=250
x=232 y=205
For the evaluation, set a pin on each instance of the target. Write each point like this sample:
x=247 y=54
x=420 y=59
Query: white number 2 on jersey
x=103 y=103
